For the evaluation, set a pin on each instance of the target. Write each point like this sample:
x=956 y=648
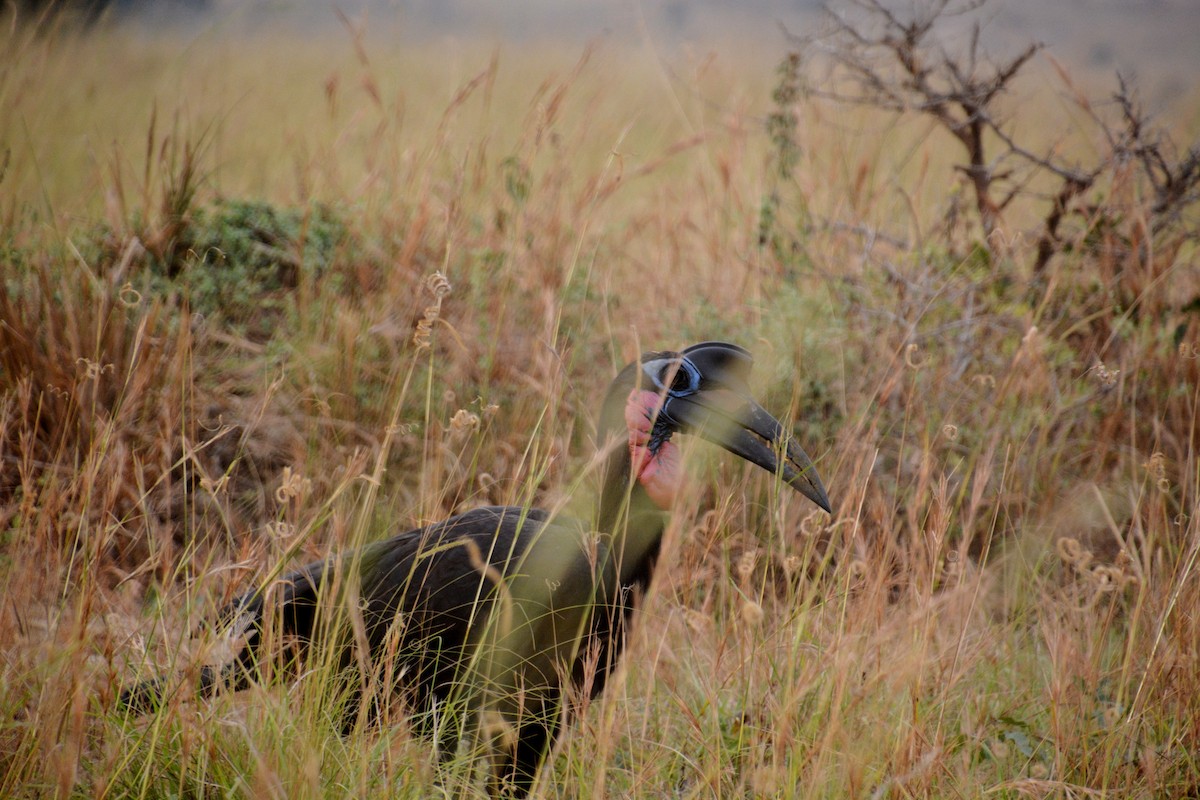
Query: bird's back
x=429 y=595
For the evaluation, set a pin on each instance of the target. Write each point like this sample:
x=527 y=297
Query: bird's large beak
x=741 y=426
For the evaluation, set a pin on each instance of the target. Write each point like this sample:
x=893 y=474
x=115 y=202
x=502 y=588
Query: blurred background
x=1153 y=38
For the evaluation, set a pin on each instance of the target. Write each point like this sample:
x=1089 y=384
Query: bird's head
x=702 y=390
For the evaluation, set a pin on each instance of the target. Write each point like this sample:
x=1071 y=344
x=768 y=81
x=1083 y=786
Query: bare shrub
x=900 y=62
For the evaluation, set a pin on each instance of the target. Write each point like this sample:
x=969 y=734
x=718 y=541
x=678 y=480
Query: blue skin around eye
x=693 y=380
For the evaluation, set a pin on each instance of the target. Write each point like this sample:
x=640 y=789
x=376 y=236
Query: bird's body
x=498 y=610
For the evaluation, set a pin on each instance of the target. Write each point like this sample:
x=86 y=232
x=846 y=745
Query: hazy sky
x=1154 y=39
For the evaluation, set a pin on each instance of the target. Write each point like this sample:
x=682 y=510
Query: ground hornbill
x=485 y=620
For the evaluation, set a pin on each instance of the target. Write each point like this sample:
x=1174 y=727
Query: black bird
x=499 y=610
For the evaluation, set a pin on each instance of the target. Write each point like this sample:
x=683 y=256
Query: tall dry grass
x=1003 y=602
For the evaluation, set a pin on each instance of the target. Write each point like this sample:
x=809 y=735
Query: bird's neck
x=633 y=521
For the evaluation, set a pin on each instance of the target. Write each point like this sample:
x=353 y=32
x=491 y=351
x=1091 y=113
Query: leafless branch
x=895 y=61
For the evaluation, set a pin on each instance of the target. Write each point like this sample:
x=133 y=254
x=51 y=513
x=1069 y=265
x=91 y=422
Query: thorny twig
x=897 y=63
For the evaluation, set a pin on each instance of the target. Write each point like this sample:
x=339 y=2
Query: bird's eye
x=676 y=378
x=679 y=377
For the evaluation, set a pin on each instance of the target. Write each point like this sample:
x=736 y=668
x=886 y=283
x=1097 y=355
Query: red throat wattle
x=658 y=473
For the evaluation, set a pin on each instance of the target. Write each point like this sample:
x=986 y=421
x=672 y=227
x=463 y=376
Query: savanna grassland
x=265 y=297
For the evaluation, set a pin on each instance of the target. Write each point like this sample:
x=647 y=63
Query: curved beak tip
x=809 y=484
x=741 y=426
x=822 y=500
